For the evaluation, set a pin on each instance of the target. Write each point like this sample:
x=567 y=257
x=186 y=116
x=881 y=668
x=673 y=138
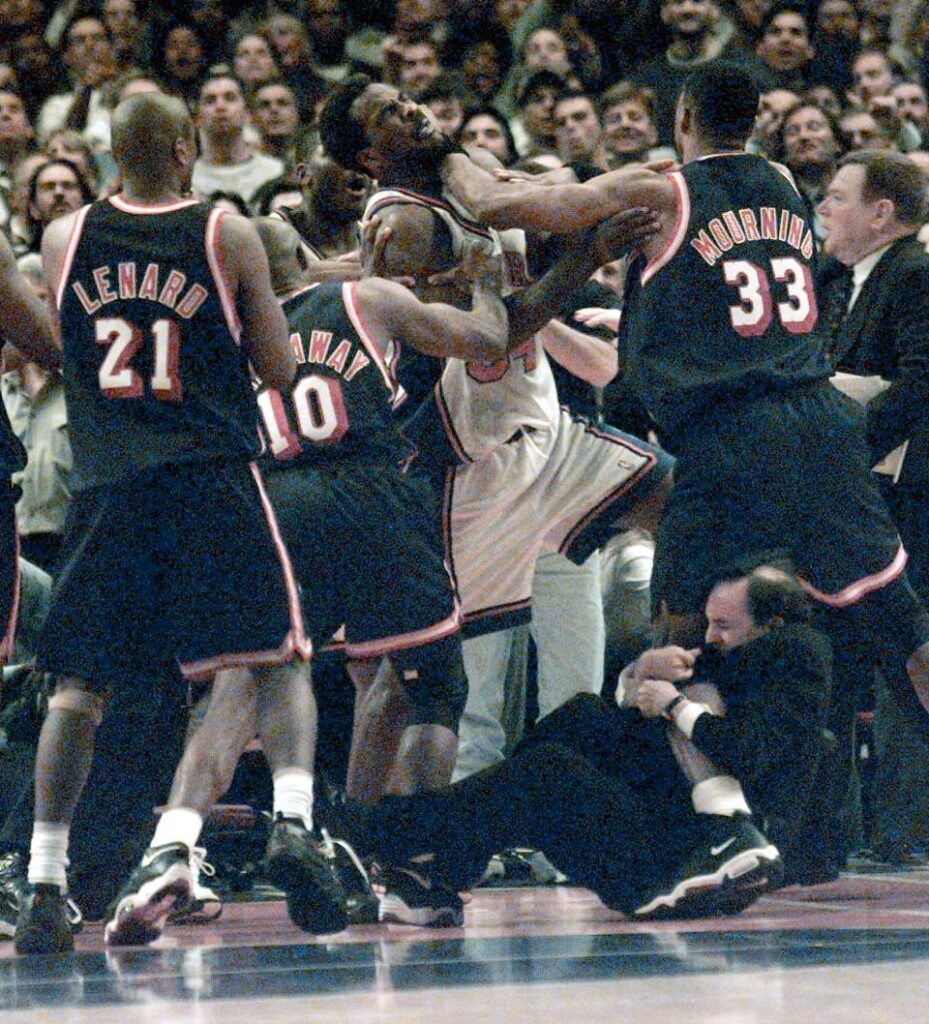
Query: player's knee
x=77 y=697
x=435 y=683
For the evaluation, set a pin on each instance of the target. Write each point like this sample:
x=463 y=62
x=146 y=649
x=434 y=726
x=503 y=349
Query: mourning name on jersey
x=769 y=224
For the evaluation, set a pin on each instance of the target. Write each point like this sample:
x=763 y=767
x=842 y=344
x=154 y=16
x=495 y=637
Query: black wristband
x=679 y=699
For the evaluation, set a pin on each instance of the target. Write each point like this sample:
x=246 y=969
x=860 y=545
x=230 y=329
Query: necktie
x=835 y=315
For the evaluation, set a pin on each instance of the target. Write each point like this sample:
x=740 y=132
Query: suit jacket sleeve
x=902 y=311
x=771 y=737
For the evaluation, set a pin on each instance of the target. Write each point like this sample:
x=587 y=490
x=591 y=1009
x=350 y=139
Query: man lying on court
x=655 y=805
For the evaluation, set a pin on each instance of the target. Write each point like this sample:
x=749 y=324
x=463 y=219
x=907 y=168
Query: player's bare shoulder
x=416 y=236
x=55 y=240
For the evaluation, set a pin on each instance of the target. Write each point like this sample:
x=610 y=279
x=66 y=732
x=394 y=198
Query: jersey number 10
x=319 y=411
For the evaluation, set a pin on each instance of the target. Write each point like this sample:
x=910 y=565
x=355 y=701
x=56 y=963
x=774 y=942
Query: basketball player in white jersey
x=522 y=475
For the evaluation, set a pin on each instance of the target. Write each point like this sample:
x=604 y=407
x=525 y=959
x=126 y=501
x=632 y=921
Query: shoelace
x=329 y=845
x=73 y=913
x=199 y=863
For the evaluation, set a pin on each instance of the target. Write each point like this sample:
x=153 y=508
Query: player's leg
x=436 y=688
x=63 y=760
x=104 y=580
x=303 y=868
x=568 y=628
x=380 y=718
x=163 y=882
x=213 y=620
x=482 y=737
x=401 y=607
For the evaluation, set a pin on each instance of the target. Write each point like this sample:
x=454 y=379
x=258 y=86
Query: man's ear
x=885 y=210
x=302 y=174
x=185 y=150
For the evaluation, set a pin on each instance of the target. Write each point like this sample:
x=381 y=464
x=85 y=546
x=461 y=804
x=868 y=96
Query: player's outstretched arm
x=436 y=328
x=586 y=356
x=265 y=336
x=23 y=322
x=562 y=209
x=551 y=297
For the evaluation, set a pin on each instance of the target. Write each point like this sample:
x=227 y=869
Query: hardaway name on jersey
x=728 y=308
x=476 y=407
x=342 y=402
x=152 y=365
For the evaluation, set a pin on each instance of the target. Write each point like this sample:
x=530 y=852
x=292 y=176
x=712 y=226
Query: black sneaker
x=521 y=866
x=305 y=870
x=361 y=904
x=411 y=895
x=162 y=884
x=43 y=922
x=13 y=886
x=725 y=875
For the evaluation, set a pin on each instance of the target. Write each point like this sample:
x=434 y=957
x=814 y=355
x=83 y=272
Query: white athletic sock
x=48 y=854
x=178 y=825
x=293 y=794
x=721 y=794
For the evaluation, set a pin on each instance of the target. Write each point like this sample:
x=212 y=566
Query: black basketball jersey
x=153 y=371
x=342 y=403
x=728 y=309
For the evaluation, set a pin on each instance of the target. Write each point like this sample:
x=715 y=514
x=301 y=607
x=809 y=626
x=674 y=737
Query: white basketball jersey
x=483 y=405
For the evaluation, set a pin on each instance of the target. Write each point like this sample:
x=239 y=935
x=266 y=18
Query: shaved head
x=282 y=245
x=145 y=129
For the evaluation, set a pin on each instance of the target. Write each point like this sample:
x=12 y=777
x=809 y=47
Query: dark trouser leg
x=594 y=828
x=619 y=743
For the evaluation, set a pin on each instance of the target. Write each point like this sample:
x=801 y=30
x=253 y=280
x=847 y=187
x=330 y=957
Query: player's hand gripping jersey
x=478 y=407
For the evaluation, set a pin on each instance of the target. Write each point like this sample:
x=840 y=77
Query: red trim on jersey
x=623 y=489
x=77 y=229
x=860 y=588
x=678 y=231
x=448 y=492
x=215 y=260
x=9 y=636
x=146 y=209
x=297 y=291
x=497 y=609
x=296 y=639
x=404 y=641
x=784 y=172
x=417 y=199
x=375 y=349
x=724 y=152
x=197 y=670
x=447 y=424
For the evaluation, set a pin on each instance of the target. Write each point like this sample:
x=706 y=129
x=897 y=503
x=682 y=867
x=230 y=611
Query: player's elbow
x=277 y=369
